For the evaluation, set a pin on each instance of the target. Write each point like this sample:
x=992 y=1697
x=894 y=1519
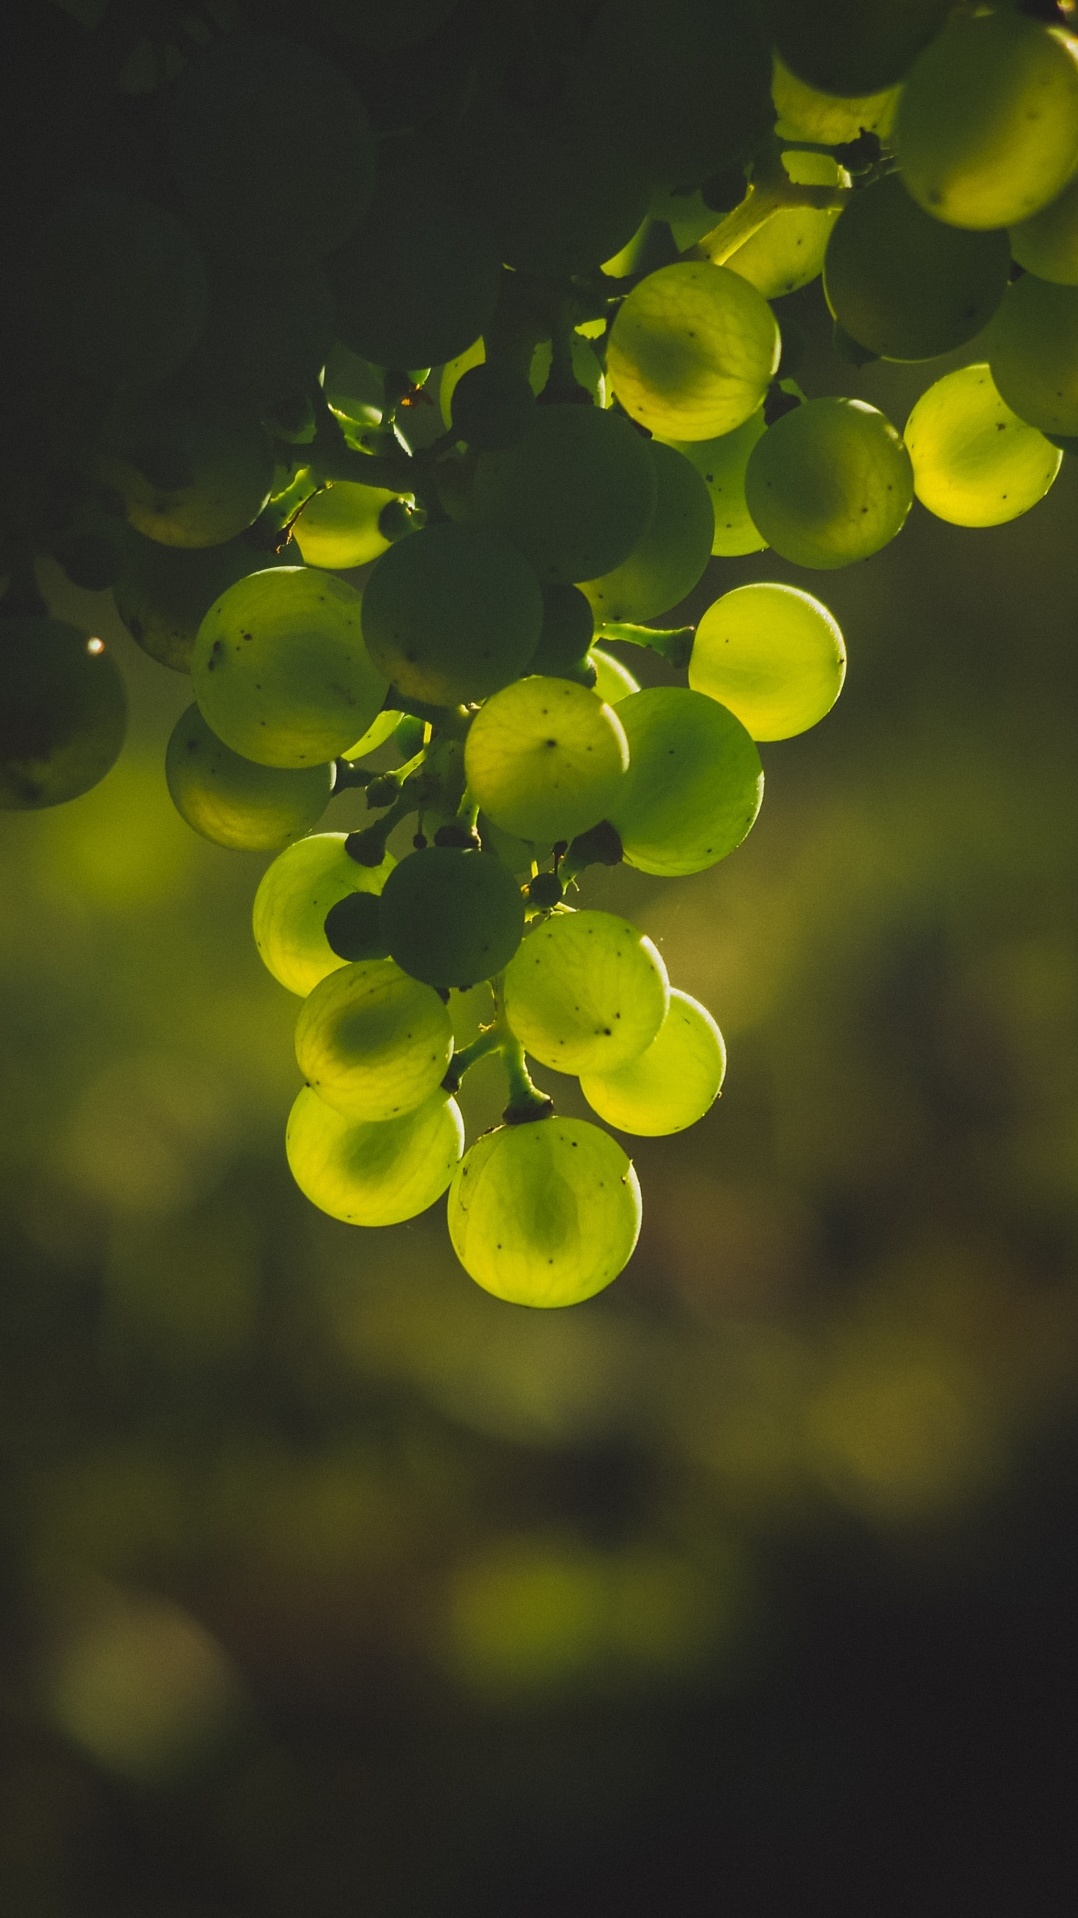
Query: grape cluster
x=479 y=299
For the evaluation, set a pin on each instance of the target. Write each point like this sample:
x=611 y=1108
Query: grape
x=694 y=784
x=280 y=669
x=585 y=992
x=787 y=252
x=545 y=1214
x=63 y=713
x=692 y=351
x=231 y=800
x=382 y=727
x=613 y=681
x=1047 y=244
x=846 y=47
x=354 y=388
x=975 y=463
x=772 y=655
x=1033 y=353
x=804 y=113
x=721 y=463
x=194 y=477
x=829 y=483
x=419 y=278
x=122 y=288
x=672 y=1083
x=492 y=405
x=452 y=917
x=266 y=336
x=670 y=557
x=987 y=126
x=272 y=149
x=163 y=593
x=568 y=625
x=545 y=759
x=573 y=495
x=451 y=613
x=905 y=285
x=339 y=526
x=373 y=1043
x=373 y=1173
x=294 y=898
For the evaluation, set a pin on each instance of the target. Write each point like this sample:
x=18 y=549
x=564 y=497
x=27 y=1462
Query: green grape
x=163 y=593
x=280 y=669
x=354 y=388
x=669 y=558
x=545 y=759
x=829 y=483
x=692 y=351
x=613 y=681
x=1033 y=353
x=672 y=1083
x=517 y=855
x=63 y=713
x=452 y=917
x=492 y=405
x=804 y=113
x=573 y=495
x=545 y=1214
x=294 y=898
x=377 y=1172
x=694 y=785
x=587 y=371
x=772 y=655
x=272 y=149
x=354 y=927
x=975 y=463
x=904 y=284
x=122 y=287
x=846 y=47
x=787 y=252
x=585 y=992
x=568 y=625
x=721 y=463
x=1047 y=244
x=267 y=334
x=419 y=278
x=192 y=477
x=372 y=1042
x=987 y=126
x=339 y=527
x=231 y=800
x=382 y=727
x=452 y=613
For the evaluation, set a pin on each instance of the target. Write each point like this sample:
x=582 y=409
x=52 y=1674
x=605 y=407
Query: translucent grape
x=904 y=284
x=63 y=713
x=452 y=917
x=987 y=125
x=163 y=593
x=545 y=758
x=829 y=483
x=672 y=1083
x=545 y=1214
x=806 y=113
x=1047 y=244
x=1033 y=353
x=692 y=351
x=122 y=286
x=194 y=476
x=373 y=1173
x=694 y=785
x=787 y=252
x=721 y=463
x=373 y=1043
x=294 y=896
x=975 y=463
x=849 y=48
x=574 y=494
x=669 y=558
x=613 y=680
x=231 y=800
x=339 y=527
x=772 y=655
x=280 y=670
x=586 y=992
x=452 y=613
x=382 y=727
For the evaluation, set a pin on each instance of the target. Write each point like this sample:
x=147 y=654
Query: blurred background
x=332 y=1585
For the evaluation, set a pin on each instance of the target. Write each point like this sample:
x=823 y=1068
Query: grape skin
x=545 y=1214
x=373 y=1043
x=586 y=992
x=975 y=463
x=692 y=351
x=452 y=917
x=338 y=528
x=1033 y=354
x=63 y=713
x=722 y=464
x=829 y=483
x=233 y=802
x=694 y=786
x=773 y=655
x=672 y=1083
x=293 y=898
x=373 y=1173
x=670 y=557
x=545 y=758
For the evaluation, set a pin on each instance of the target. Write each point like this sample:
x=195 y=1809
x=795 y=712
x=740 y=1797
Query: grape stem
x=673 y=643
x=770 y=191
x=526 y=1102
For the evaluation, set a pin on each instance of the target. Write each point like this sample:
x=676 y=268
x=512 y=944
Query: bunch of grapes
x=387 y=363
